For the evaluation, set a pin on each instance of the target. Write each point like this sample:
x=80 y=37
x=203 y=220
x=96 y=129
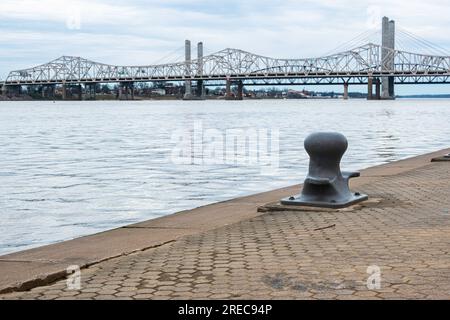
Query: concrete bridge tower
x=387 y=57
x=200 y=84
x=188 y=83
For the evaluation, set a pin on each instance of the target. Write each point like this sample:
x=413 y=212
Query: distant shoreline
x=174 y=98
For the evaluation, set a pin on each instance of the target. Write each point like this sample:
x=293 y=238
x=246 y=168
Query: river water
x=69 y=169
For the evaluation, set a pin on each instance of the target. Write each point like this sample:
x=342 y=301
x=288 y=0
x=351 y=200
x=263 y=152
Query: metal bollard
x=326 y=186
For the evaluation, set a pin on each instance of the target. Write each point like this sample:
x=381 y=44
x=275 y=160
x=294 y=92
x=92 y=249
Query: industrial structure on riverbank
x=381 y=66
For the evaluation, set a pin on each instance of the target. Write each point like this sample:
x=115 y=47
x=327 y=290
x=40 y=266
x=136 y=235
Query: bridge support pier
x=93 y=92
x=80 y=92
x=87 y=91
x=228 y=95
x=370 y=88
x=64 y=92
x=377 y=88
x=4 y=90
x=391 y=87
x=90 y=91
x=52 y=91
x=200 y=89
x=48 y=92
x=240 y=90
x=125 y=89
x=371 y=82
x=119 y=92
x=188 y=90
x=346 y=91
x=200 y=83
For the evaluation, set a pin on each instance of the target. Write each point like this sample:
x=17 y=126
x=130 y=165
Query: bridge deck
x=311 y=78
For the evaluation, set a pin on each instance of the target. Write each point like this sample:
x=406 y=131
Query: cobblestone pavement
x=297 y=255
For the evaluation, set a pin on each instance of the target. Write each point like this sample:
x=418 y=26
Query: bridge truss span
x=360 y=63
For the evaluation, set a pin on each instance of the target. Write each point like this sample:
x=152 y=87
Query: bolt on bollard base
x=326 y=186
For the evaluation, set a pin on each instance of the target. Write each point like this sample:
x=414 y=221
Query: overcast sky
x=138 y=32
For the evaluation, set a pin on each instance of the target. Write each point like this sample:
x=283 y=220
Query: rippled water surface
x=69 y=169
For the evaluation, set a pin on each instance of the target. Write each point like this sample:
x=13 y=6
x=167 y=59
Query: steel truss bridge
x=353 y=66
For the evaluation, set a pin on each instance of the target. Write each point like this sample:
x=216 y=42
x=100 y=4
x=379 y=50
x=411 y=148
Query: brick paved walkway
x=297 y=255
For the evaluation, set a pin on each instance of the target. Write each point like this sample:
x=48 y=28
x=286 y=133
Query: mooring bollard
x=326 y=186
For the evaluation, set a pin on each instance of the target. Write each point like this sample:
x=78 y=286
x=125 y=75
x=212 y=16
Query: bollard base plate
x=298 y=201
x=441 y=159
